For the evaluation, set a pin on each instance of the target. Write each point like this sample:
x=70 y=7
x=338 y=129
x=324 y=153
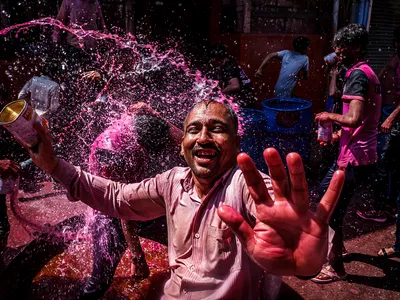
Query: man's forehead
x=208 y=110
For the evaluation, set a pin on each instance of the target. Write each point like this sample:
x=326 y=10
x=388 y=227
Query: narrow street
x=57 y=271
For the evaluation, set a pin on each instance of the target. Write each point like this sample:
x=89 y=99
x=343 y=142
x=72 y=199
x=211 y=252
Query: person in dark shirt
x=358 y=137
x=233 y=80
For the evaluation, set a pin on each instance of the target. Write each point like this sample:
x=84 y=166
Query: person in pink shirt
x=232 y=231
x=140 y=144
x=357 y=138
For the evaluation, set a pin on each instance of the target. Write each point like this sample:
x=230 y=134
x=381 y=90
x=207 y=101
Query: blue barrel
x=253 y=123
x=289 y=125
x=382 y=137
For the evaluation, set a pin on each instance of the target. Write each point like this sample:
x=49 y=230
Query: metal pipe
x=368 y=18
x=361 y=11
x=335 y=15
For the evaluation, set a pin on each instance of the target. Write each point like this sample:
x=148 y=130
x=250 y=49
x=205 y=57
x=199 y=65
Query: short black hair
x=300 y=44
x=152 y=132
x=218 y=51
x=231 y=112
x=352 y=35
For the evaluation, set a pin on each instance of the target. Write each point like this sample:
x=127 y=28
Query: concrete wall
x=251 y=49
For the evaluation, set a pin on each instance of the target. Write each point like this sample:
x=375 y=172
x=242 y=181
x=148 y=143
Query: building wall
x=251 y=49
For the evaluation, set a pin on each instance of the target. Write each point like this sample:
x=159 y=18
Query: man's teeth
x=205 y=153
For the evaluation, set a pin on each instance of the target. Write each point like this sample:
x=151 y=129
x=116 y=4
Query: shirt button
x=197 y=235
x=192 y=268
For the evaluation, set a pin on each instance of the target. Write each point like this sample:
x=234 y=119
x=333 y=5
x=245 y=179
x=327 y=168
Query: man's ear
x=181 y=150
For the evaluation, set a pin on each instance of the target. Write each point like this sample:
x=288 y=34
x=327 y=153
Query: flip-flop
x=384 y=253
x=331 y=276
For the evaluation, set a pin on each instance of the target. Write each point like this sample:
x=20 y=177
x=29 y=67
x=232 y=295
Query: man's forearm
x=230 y=89
x=124 y=201
x=396 y=112
x=344 y=120
x=265 y=61
x=333 y=87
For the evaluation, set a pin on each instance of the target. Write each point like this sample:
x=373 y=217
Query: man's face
x=210 y=143
x=347 y=54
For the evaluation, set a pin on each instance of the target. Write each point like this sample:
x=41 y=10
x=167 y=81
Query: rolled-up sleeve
x=138 y=201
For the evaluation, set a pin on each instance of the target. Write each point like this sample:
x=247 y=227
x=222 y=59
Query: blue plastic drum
x=252 y=142
x=289 y=125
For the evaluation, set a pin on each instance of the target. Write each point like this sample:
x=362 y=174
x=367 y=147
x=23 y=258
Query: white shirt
x=44 y=94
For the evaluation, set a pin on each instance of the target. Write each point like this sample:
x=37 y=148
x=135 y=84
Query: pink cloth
x=358 y=146
x=206 y=259
x=120 y=138
x=83 y=13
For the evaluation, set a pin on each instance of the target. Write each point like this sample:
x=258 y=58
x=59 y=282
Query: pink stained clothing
x=85 y=14
x=206 y=259
x=120 y=138
x=358 y=146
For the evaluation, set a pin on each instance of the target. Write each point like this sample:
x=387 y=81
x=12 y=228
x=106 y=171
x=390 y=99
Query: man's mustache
x=206 y=146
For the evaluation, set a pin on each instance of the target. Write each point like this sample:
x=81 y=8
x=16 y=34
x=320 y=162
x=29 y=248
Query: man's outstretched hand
x=288 y=239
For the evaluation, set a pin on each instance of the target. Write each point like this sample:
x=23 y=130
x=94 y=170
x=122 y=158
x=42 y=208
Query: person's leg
x=4 y=224
x=381 y=186
x=323 y=186
x=334 y=270
x=395 y=187
x=394 y=162
x=140 y=269
x=336 y=223
x=396 y=246
x=4 y=229
x=108 y=247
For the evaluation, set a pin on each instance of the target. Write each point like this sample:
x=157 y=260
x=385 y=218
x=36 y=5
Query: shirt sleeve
x=306 y=66
x=24 y=93
x=282 y=53
x=138 y=201
x=356 y=86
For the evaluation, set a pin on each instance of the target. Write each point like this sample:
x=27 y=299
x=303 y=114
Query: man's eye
x=218 y=129
x=192 y=130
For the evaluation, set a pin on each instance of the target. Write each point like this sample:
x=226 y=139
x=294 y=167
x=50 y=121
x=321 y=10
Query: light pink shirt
x=358 y=146
x=206 y=259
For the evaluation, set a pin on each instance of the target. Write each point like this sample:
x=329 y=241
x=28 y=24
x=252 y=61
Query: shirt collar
x=45 y=77
x=188 y=183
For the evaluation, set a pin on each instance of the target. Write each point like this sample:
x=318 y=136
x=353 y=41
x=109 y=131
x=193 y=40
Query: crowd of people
x=231 y=230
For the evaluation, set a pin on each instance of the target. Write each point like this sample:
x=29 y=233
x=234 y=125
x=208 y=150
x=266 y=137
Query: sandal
x=388 y=252
x=345 y=253
x=328 y=275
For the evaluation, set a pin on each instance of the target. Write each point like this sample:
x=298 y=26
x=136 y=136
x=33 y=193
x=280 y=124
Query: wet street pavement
x=55 y=265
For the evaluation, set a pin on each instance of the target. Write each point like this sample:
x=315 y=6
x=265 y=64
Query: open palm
x=288 y=239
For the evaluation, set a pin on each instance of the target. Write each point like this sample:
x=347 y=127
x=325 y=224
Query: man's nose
x=204 y=136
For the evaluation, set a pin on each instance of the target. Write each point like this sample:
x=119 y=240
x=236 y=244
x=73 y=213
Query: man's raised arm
x=137 y=201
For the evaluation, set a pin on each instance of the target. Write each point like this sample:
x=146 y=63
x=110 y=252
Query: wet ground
x=42 y=266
